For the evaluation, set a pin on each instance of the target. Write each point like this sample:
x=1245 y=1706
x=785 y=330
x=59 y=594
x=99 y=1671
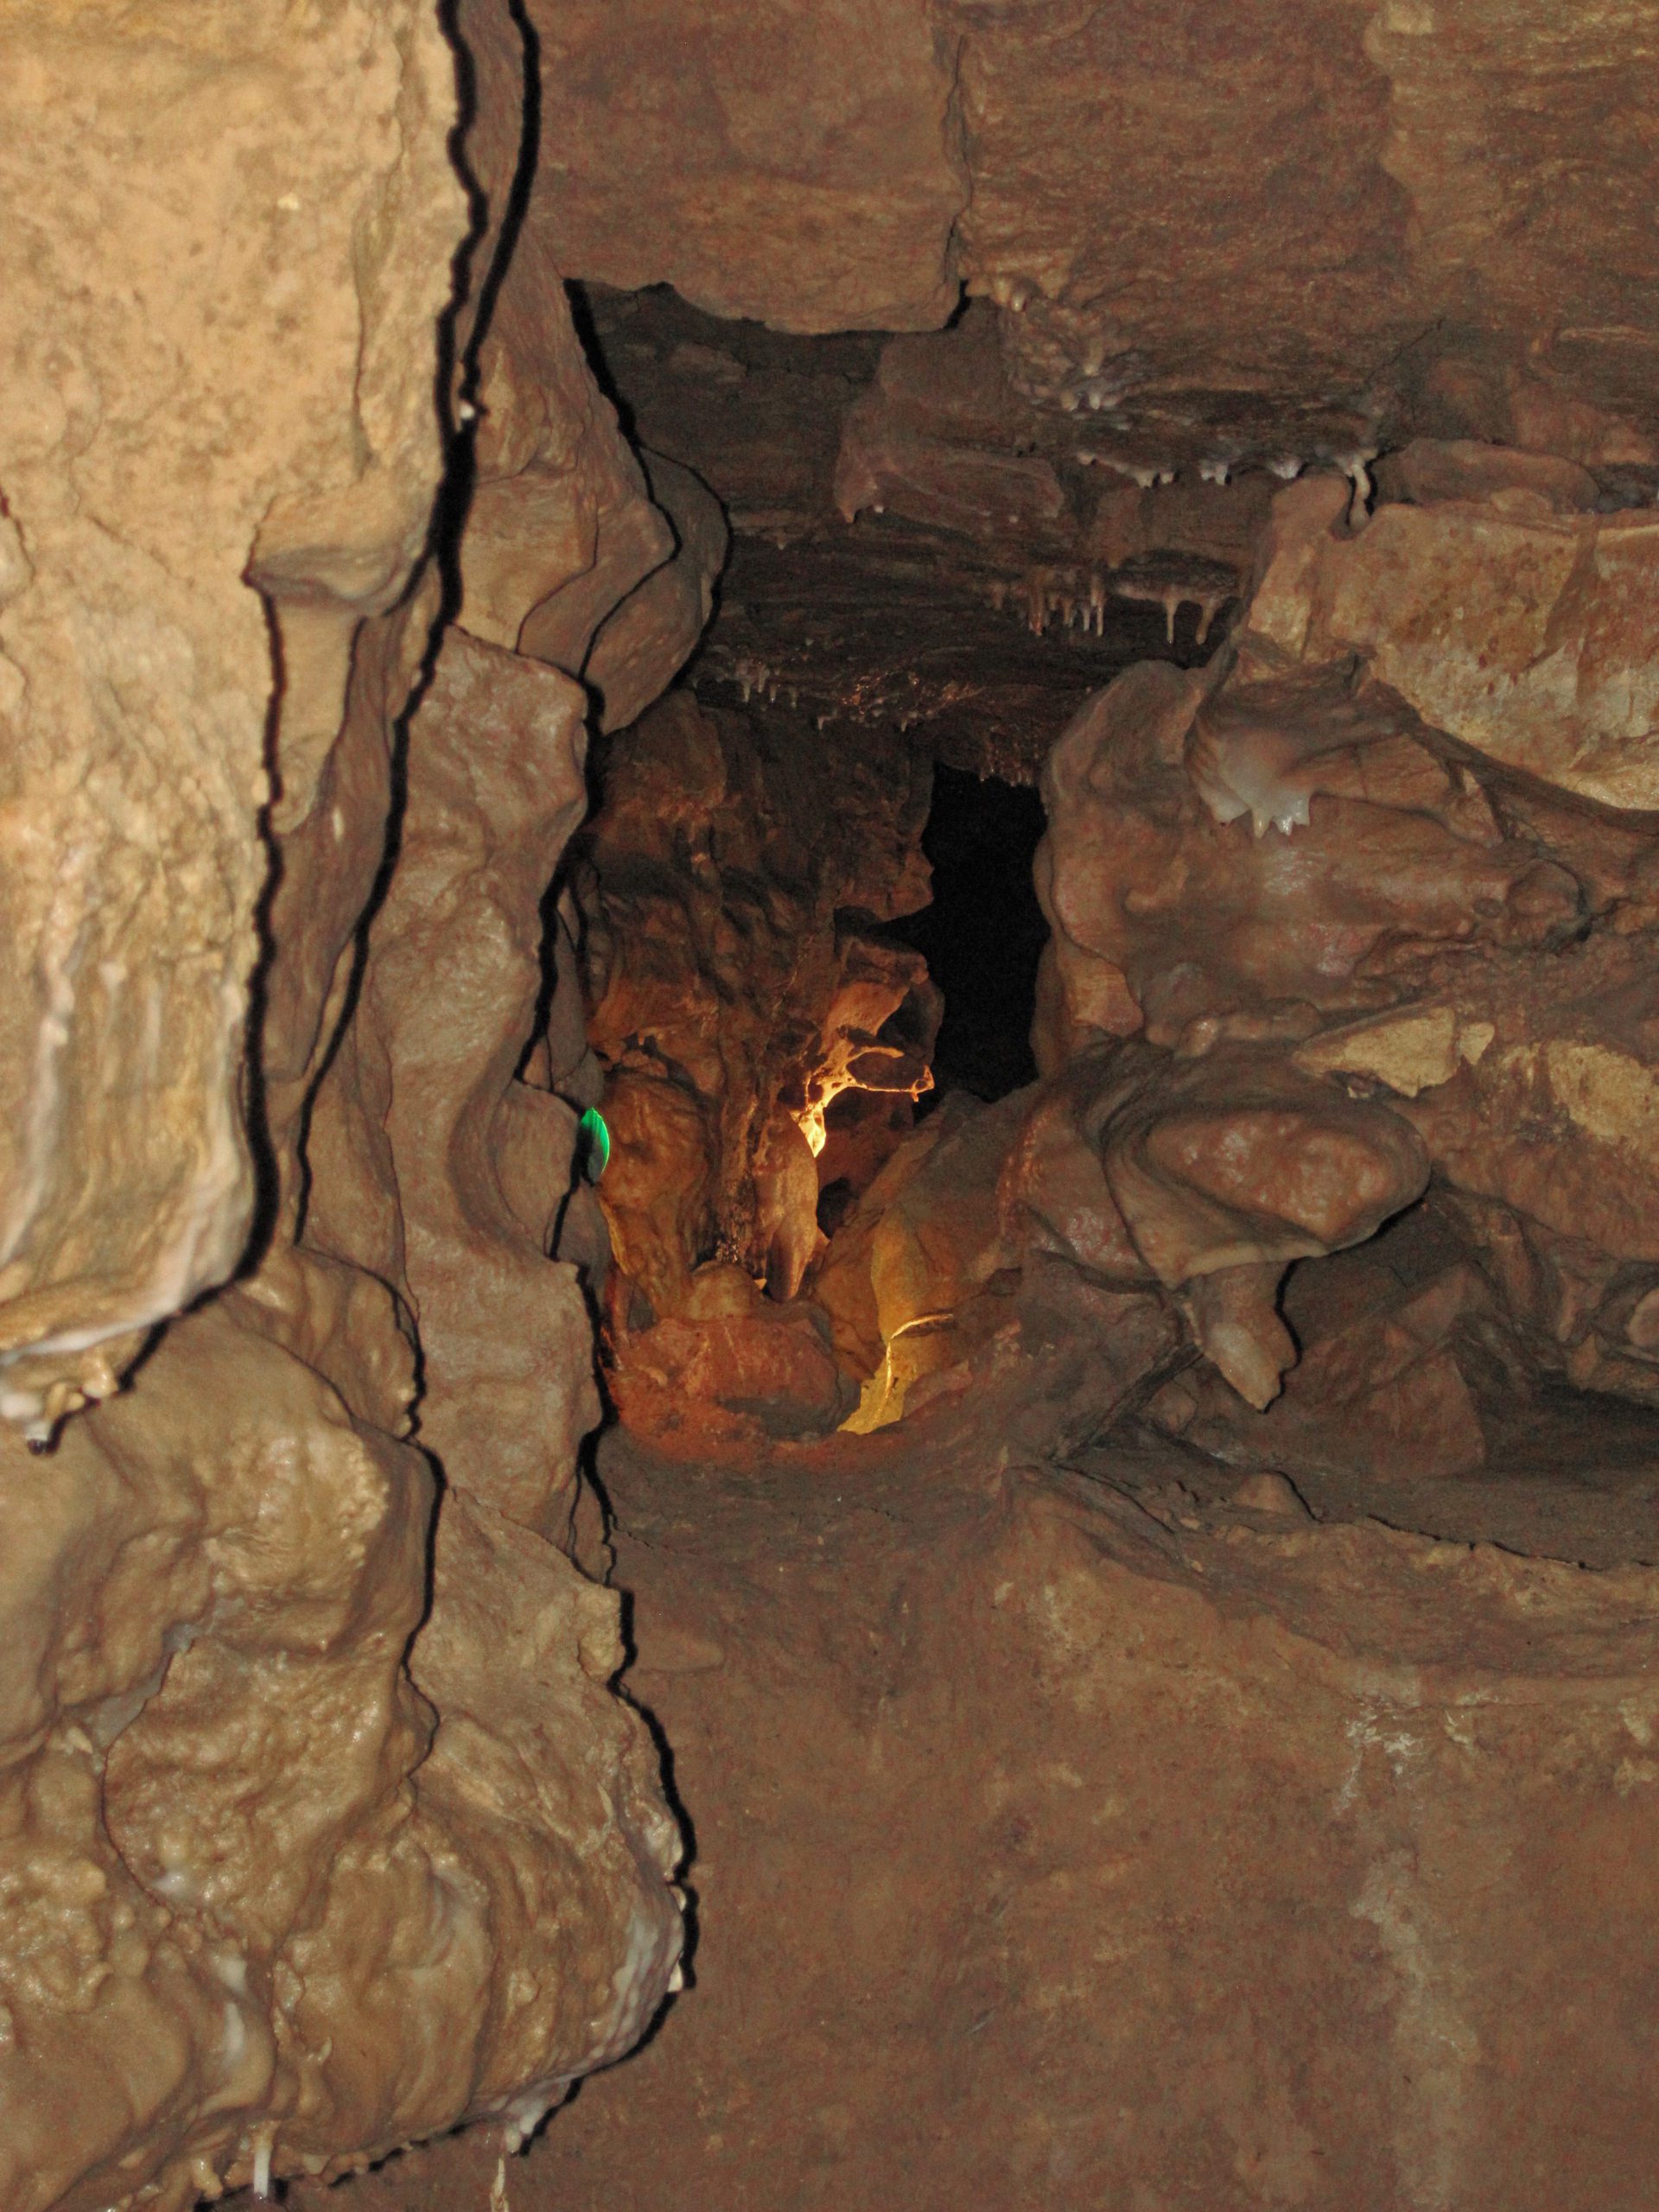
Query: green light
x=593 y=1144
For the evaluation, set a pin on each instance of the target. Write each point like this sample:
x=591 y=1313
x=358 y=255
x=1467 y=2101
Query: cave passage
x=1023 y=1568
x=983 y=934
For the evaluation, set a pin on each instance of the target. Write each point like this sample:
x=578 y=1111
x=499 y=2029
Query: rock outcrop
x=742 y=983
x=1190 y=1836
x=171 y=228
x=703 y=154
x=321 y=1830
x=737 y=878
x=1338 y=922
x=1198 y=264
x=1318 y=234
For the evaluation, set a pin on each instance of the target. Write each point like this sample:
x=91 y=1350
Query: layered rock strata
x=1300 y=237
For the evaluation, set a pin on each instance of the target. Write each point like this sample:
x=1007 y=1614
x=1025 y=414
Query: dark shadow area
x=984 y=932
x=593 y=345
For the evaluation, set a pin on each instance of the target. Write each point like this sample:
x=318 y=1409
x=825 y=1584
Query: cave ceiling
x=996 y=325
x=969 y=630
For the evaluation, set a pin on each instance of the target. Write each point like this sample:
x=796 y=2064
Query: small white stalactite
x=264 y=2142
x=1147 y=476
x=1356 y=466
x=498 y=2186
x=1215 y=471
x=1171 y=597
x=1210 y=605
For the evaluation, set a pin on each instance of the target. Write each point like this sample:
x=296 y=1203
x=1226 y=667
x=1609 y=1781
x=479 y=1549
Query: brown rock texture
x=320 y=1826
x=1322 y=902
x=1087 y=1798
x=495 y=788
x=1325 y=941
x=1521 y=632
x=1313 y=230
x=1135 y=1851
x=705 y=152
x=916 y=541
x=171 y=227
x=742 y=983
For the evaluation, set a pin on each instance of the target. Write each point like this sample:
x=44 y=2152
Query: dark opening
x=983 y=934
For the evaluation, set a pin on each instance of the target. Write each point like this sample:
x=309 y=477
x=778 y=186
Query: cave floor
x=1060 y=1830
x=1575 y=1477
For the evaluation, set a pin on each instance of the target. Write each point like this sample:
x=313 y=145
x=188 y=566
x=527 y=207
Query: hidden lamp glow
x=593 y=1144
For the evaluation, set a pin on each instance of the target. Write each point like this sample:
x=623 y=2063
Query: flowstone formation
x=1357 y=882
x=737 y=879
x=1144 y=1584
x=137 y=667
x=1351 y=933
x=322 y=1825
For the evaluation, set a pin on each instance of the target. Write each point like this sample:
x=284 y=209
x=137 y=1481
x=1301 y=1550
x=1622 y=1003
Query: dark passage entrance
x=983 y=934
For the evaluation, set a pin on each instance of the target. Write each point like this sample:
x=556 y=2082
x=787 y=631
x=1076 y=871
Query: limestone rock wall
x=705 y=151
x=218 y=353
x=1343 y=1027
x=1292 y=237
x=1372 y=901
x=321 y=1827
x=742 y=868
